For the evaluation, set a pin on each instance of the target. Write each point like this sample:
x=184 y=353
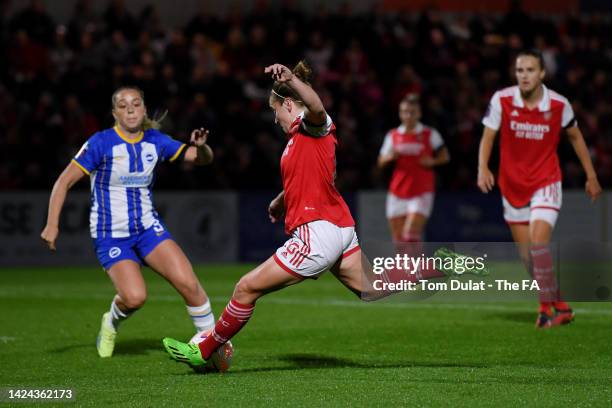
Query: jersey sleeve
x=387 y=147
x=492 y=118
x=317 y=130
x=169 y=148
x=436 y=140
x=90 y=155
x=568 y=119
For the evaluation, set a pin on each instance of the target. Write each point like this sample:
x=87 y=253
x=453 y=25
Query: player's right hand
x=199 y=137
x=486 y=180
x=279 y=72
x=276 y=210
x=593 y=189
x=49 y=235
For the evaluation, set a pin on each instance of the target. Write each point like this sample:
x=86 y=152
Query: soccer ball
x=220 y=360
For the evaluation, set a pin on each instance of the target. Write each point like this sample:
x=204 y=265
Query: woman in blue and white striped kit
x=124 y=225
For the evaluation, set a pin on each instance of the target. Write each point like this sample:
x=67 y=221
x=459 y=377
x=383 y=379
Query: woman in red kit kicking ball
x=318 y=220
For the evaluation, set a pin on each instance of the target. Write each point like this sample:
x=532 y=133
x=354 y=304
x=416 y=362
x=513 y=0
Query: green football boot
x=187 y=353
x=452 y=268
x=105 y=342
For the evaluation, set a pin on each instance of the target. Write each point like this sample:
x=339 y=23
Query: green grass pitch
x=313 y=344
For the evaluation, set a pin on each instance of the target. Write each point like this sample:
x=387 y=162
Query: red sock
x=542 y=268
x=234 y=317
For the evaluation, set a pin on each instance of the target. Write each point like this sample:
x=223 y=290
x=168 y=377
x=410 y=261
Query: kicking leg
x=353 y=272
x=356 y=273
x=267 y=277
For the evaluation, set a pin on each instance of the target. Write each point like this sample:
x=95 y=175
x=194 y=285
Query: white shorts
x=398 y=207
x=545 y=205
x=315 y=247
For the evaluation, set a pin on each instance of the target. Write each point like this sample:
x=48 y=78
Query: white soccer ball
x=220 y=360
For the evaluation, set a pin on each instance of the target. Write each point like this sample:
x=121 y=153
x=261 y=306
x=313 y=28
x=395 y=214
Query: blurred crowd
x=56 y=82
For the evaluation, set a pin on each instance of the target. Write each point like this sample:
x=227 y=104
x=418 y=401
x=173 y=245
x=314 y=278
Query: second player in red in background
x=530 y=119
x=415 y=150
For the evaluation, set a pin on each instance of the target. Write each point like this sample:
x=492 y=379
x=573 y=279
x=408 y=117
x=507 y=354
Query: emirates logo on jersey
x=409 y=149
x=526 y=130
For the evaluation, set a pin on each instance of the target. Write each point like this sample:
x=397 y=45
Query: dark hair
x=535 y=53
x=281 y=90
x=147 y=123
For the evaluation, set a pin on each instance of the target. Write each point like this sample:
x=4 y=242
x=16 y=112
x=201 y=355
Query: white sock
x=117 y=315
x=202 y=316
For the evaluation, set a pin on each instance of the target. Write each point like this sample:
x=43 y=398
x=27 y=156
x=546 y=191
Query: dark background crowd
x=56 y=81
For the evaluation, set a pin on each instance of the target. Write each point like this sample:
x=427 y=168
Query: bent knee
x=189 y=287
x=245 y=288
x=134 y=299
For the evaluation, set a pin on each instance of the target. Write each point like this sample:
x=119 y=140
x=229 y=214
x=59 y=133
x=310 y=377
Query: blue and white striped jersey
x=121 y=173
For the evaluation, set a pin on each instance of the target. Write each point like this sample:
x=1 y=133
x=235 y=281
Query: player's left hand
x=279 y=72
x=592 y=188
x=427 y=161
x=199 y=137
x=276 y=209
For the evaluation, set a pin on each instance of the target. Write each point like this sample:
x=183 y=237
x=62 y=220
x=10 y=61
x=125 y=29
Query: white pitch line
x=324 y=302
x=418 y=305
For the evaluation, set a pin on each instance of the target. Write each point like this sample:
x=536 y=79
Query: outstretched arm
x=592 y=187
x=199 y=152
x=64 y=182
x=315 y=112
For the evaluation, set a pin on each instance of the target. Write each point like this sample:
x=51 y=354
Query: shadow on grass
x=498 y=376
x=128 y=347
x=316 y=361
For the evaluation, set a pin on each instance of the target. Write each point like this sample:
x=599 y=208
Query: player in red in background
x=318 y=220
x=530 y=119
x=415 y=149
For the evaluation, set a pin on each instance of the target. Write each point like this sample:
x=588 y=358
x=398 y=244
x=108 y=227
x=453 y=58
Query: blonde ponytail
x=155 y=123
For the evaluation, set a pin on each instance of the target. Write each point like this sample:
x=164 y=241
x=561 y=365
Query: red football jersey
x=528 y=141
x=308 y=168
x=410 y=178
